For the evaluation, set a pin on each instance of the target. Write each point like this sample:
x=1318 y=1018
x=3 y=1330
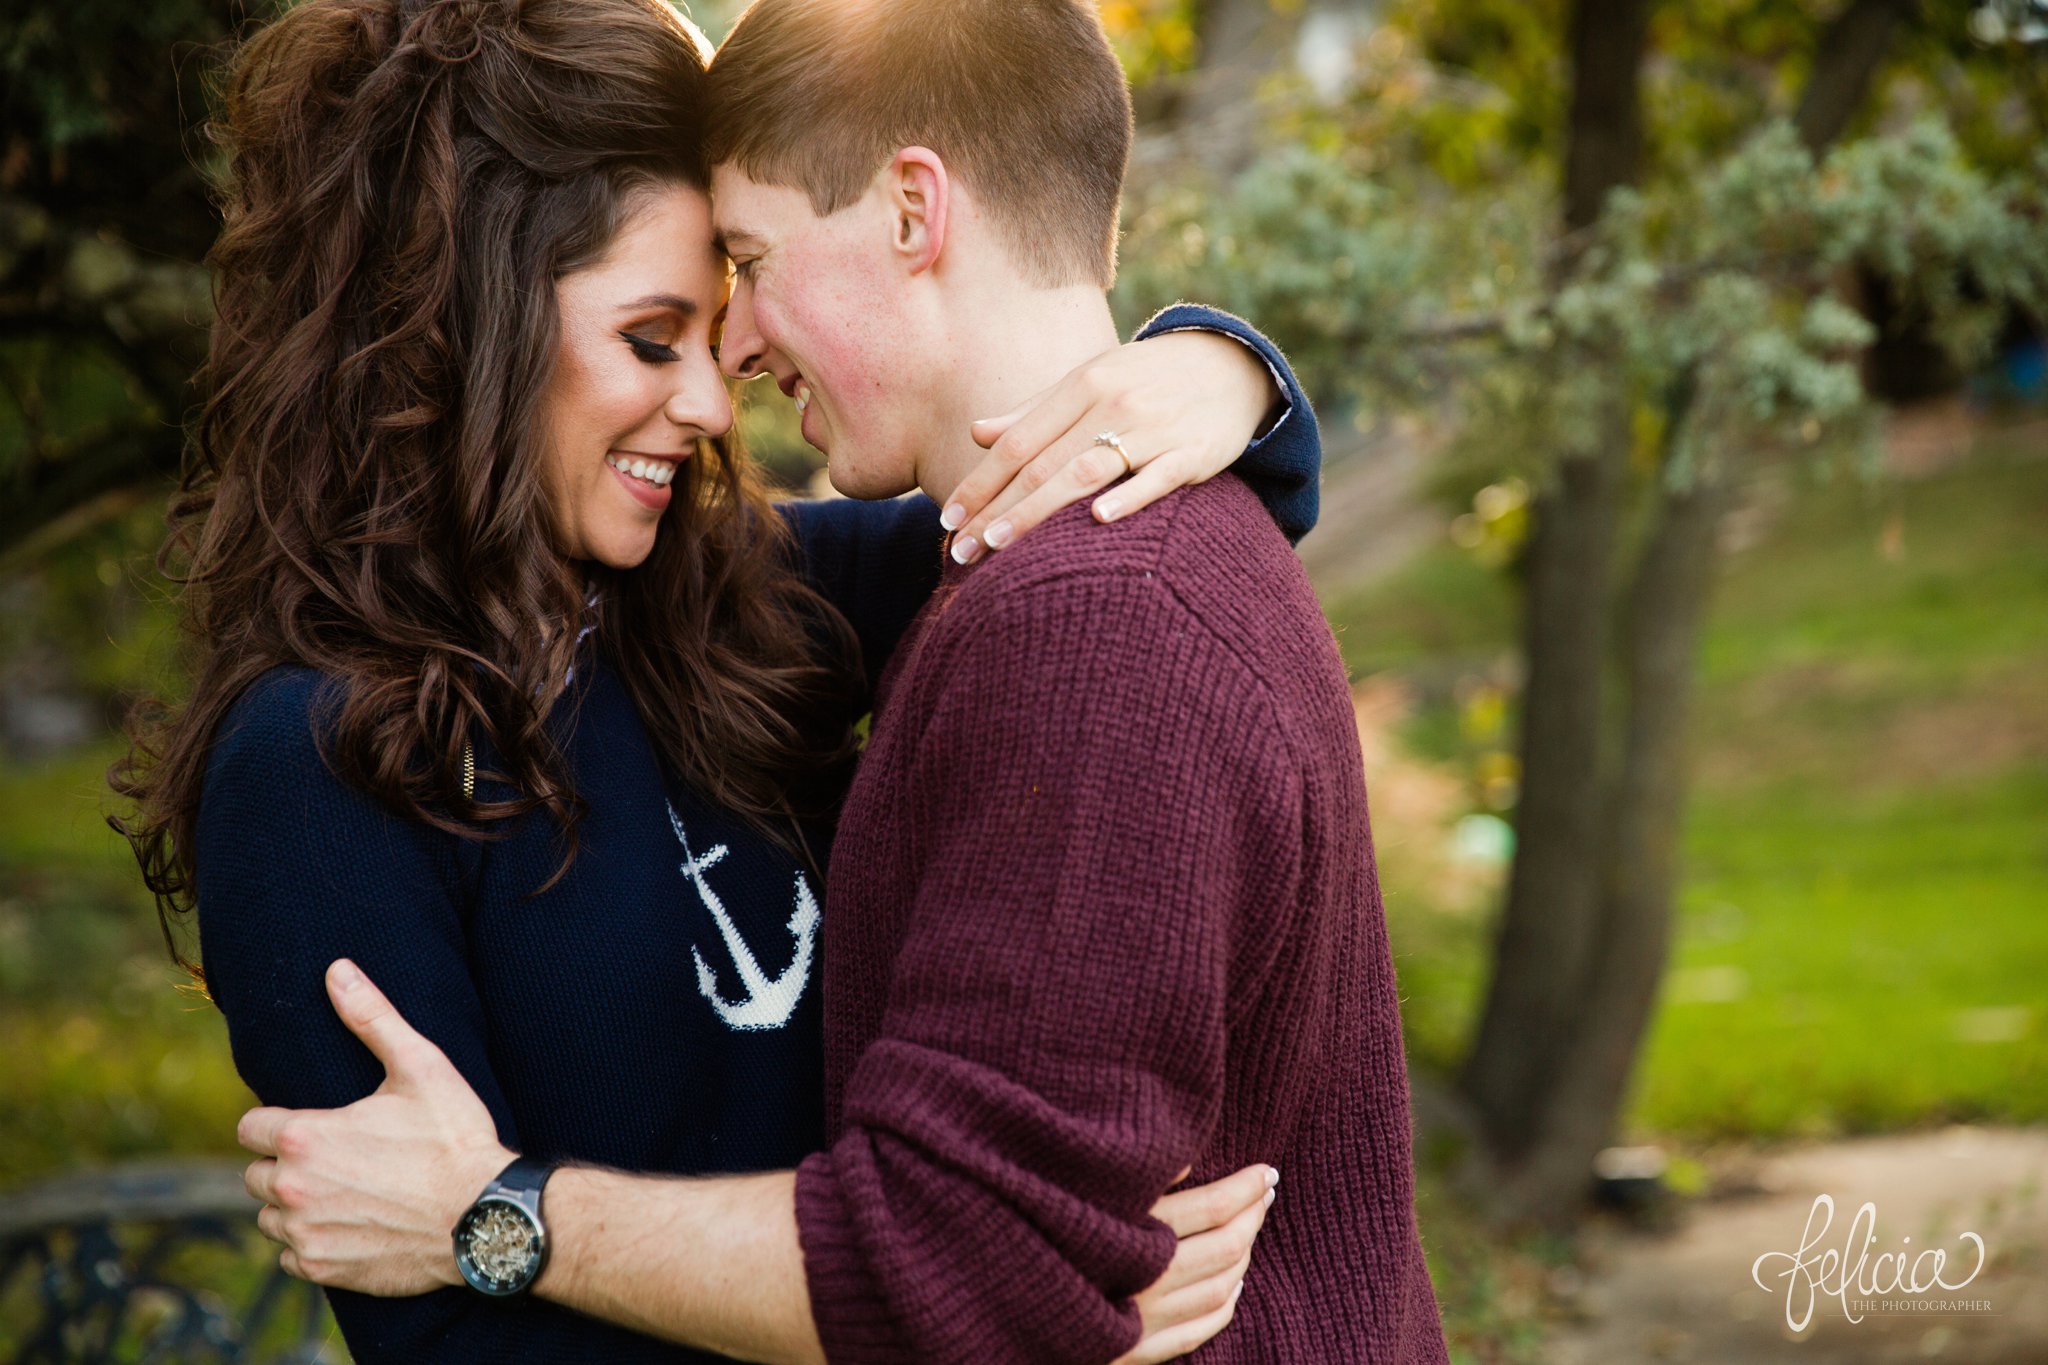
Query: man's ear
x=920 y=203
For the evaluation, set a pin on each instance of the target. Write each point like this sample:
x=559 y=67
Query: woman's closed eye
x=653 y=352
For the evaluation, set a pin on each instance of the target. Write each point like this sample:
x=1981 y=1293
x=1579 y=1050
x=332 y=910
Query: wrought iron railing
x=148 y=1264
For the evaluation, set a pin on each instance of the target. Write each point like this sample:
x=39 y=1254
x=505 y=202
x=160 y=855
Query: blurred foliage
x=1470 y=91
x=1154 y=38
x=103 y=211
x=96 y=91
x=1727 y=290
x=90 y=615
x=1398 y=237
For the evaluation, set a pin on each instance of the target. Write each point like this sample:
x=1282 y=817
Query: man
x=1103 y=898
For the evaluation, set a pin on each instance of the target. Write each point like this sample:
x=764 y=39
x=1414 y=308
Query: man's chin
x=870 y=485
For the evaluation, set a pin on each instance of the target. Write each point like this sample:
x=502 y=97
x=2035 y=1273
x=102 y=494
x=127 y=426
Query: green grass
x=1868 y=850
x=1858 y=963
x=1862 y=937
x=108 y=1057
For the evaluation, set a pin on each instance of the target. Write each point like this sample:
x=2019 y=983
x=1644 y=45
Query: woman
x=489 y=611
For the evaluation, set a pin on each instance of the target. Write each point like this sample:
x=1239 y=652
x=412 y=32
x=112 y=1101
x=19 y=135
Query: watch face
x=500 y=1246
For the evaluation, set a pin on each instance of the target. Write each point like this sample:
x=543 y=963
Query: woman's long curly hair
x=405 y=181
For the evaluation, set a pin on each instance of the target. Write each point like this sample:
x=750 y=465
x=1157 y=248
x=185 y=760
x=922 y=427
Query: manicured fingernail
x=347 y=975
x=1237 y=1293
x=1271 y=1195
x=1272 y=1176
x=965 y=549
x=998 y=535
x=1107 y=508
x=952 y=516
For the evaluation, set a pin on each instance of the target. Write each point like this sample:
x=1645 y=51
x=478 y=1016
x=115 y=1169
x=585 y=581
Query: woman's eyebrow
x=674 y=302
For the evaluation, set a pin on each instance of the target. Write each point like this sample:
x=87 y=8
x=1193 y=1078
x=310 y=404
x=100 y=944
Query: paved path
x=1688 y=1296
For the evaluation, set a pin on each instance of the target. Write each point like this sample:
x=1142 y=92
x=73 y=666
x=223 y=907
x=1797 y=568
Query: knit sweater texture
x=1104 y=905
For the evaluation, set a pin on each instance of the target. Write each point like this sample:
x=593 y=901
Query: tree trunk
x=1545 y=943
x=1665 y=611
x=1846 y=58
x=1542 y=952
x=1604 y=147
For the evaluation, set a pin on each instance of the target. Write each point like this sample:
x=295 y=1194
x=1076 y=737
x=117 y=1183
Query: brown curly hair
x=404 y=182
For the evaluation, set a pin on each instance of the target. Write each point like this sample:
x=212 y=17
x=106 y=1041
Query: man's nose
x=740 y=346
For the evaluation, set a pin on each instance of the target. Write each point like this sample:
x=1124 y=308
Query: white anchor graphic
x=768 y=1004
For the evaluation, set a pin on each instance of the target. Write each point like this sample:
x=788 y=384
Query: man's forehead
x=748 y=215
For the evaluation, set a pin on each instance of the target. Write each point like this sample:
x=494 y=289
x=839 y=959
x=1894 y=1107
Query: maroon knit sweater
x=1103 y=905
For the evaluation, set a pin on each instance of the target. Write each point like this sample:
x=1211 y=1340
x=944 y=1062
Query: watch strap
x=525 y=1176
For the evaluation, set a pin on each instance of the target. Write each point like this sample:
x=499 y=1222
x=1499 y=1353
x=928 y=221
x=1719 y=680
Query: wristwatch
x=501 y=1244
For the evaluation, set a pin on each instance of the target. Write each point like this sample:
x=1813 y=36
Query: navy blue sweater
x=655 y=1010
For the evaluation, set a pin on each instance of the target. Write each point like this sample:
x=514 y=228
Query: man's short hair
x=1022 y=99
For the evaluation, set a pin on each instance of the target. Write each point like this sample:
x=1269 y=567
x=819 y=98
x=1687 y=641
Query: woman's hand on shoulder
x=1183 y=406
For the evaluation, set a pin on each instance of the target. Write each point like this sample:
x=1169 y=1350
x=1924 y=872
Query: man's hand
x=1185 y=405
x=367 y=1197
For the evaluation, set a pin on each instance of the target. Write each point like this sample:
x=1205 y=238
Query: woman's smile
x=646 y=477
